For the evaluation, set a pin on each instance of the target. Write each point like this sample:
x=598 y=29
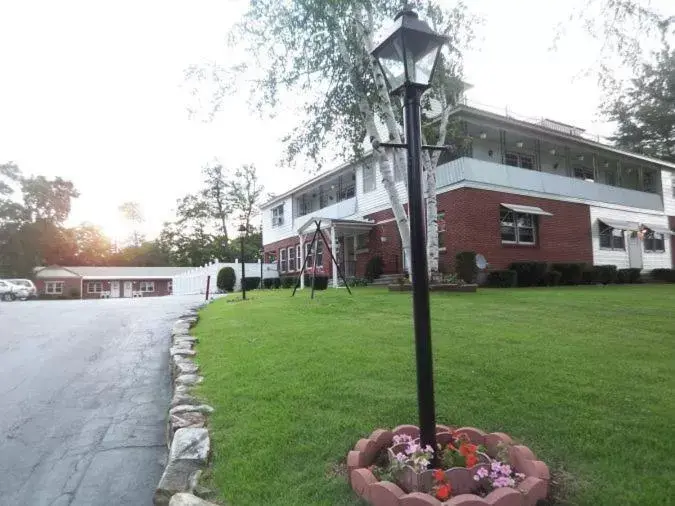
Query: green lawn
x=584 y=376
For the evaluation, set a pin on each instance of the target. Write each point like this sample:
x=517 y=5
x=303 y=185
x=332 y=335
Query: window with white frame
x=94 y=287
x=517 y=228
x=440 y=222
x=308 y=254
x=611 y=238
x=362 y=241
x=54 y=287
x=147 y=286
x=584 y=173
x=283 y=264
x=278 y=216
x=521 y=160
x=291 y=258
x=298 y=257
x=319 y=253
x=654 y=243
x=368 y=177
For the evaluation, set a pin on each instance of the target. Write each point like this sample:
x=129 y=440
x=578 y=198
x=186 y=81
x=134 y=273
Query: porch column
x=333 y=244
x=302 y=258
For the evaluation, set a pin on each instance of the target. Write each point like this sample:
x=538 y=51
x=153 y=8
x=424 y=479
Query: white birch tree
x=320 y=51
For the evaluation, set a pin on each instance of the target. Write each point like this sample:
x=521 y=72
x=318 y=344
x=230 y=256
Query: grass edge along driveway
x=581 y=375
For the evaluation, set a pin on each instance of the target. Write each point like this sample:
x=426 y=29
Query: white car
x=9 y=291
x=27 y=284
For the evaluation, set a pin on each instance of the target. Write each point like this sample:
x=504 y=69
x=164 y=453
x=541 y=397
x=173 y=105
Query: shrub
x=571 y=274
x=252 y=283
x=628 y=275
x=664 y=275
x=587 y=276
x=226 y=279
x=320 y=282
x=288 y=281
x=272 y=283
x=354 y=281
x=465 y=265
x=530 y=273
x=552 y=278
x=374 y=268
x=604 y=274
x=502 y=279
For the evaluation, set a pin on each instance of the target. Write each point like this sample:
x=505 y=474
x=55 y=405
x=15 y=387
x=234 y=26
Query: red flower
x=443 y=492
x=439 y=475
x=451 y=448
x=471 y=460
x=467 y=449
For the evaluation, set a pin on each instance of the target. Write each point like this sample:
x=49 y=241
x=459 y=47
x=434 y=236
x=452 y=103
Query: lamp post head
x=409 y=53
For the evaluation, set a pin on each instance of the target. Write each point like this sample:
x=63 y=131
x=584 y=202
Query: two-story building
x=521 y=191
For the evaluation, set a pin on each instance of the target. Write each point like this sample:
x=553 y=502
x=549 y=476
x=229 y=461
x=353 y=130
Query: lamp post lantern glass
x=242 y=236
x=408 y=57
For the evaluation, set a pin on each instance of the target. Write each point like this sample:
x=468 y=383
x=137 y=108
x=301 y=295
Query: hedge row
x=541 y=274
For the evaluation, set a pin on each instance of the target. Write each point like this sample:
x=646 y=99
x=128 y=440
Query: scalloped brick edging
x=385 y=493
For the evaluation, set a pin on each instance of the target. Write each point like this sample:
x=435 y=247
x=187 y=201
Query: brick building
x=104 y=282
x=521 y=191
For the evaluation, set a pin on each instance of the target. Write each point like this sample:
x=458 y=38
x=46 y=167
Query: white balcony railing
x=505 y=176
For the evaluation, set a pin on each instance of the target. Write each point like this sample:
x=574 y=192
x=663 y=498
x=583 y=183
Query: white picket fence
x=193 y=280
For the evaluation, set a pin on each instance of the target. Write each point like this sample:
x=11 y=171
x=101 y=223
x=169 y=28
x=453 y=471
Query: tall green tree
x=215 y=195
x=321 y=51
x=244 y=192
x=645 y=110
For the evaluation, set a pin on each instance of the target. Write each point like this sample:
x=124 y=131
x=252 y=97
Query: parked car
x=28 y=285
x=9 y=291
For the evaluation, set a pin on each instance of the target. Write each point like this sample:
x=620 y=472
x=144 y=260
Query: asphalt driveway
x=84 y=390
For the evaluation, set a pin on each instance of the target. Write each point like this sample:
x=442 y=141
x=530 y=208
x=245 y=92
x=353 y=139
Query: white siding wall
x=668 y=185
x=377 y=199
x=273 y=234
x=620 y=258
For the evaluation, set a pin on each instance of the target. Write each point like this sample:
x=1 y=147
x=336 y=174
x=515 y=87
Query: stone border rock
x=187 y=432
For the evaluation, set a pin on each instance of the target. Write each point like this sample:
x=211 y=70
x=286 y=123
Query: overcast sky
x=92 y=91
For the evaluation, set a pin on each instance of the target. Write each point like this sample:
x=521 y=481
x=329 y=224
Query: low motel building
x=523 y=190
x=104 y=282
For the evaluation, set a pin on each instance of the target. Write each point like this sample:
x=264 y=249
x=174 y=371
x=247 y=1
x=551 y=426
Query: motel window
x=283 y=265
x=440 y=222
x=611 y=238
x=654 y=243
x=147 y=286
x=54 y=287
x=278 y=216
x=517 y=228
x=291 y=258
x=346 y=186
x=519 y=160
x=169 y=286
x=94 y=287
x=298 y=257
x=368 y=177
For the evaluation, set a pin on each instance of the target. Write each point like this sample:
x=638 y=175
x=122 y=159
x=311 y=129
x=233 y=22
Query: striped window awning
x=659 y=229
x=526 y=209
x=620 y=225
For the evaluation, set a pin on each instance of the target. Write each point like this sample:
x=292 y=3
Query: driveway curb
x=187 y=434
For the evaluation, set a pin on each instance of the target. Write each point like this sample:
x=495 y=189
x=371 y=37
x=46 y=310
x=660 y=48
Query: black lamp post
x=242 y=236
x=261 y=252
x=408 y=58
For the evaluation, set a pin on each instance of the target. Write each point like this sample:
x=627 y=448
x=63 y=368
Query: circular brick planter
x=385 y=493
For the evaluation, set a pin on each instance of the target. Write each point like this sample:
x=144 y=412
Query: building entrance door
x=634 y=251
x=114 y=289
x=128 y=289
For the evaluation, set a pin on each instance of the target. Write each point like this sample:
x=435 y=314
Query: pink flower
x=482 y=473
x=506 y=470
x=401 y=458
